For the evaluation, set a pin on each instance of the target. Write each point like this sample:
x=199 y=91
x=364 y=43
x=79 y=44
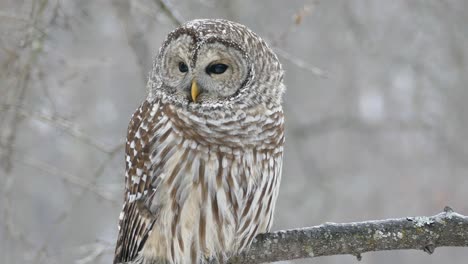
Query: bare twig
x=447 y=229
x=166 y=7
x=93 y=251
x=68 y=177
x=300 y=63
x=22 y=71
x=14 y=123
x=63 y=124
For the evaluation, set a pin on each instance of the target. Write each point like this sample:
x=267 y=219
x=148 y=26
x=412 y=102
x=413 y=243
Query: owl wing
x=258 y=206
x=136 y=220
x=135 y=227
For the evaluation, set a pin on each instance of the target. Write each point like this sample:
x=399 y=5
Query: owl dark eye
x=216 y=68
x=183 y=67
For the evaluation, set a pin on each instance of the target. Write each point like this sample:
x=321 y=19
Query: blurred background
x=377 y=118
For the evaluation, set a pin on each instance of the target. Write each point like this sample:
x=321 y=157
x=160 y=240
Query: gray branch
x=166 y=7
x=447 y=229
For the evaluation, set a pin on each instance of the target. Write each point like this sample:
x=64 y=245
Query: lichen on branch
x=447 y=229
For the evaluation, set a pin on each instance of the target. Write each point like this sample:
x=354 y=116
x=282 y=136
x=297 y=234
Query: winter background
x=376 y=108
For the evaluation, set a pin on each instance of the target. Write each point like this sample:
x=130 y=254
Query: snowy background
x=376 y=108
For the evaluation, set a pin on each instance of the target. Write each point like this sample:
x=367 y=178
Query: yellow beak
x=195 y=91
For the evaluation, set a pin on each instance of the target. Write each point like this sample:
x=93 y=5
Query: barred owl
x=204 y=150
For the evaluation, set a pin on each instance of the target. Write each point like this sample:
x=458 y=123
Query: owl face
x=216 y=64
x=203 y=73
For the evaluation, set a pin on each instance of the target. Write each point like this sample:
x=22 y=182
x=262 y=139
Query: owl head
x=215 y=64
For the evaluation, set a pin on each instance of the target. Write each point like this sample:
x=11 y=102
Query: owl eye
x=216 y=68
x=183 y=67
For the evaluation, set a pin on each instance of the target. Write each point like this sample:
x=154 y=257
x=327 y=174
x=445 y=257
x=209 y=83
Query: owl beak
x=195 y=91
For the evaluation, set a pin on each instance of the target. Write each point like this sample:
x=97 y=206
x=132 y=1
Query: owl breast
x=211 y=189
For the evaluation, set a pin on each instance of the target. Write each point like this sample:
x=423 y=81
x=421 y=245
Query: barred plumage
x=203 y=168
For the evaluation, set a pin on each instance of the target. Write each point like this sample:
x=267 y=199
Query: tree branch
x=447 y=229
x=166 y=7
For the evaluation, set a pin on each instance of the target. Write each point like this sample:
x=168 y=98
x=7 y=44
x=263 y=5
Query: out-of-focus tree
x=375 y=108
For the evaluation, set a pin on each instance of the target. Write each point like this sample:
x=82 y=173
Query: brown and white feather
x=201 y=182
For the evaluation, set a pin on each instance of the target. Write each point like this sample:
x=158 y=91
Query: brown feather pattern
x=202 y=183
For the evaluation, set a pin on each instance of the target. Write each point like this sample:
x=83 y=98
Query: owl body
x=204 y=153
